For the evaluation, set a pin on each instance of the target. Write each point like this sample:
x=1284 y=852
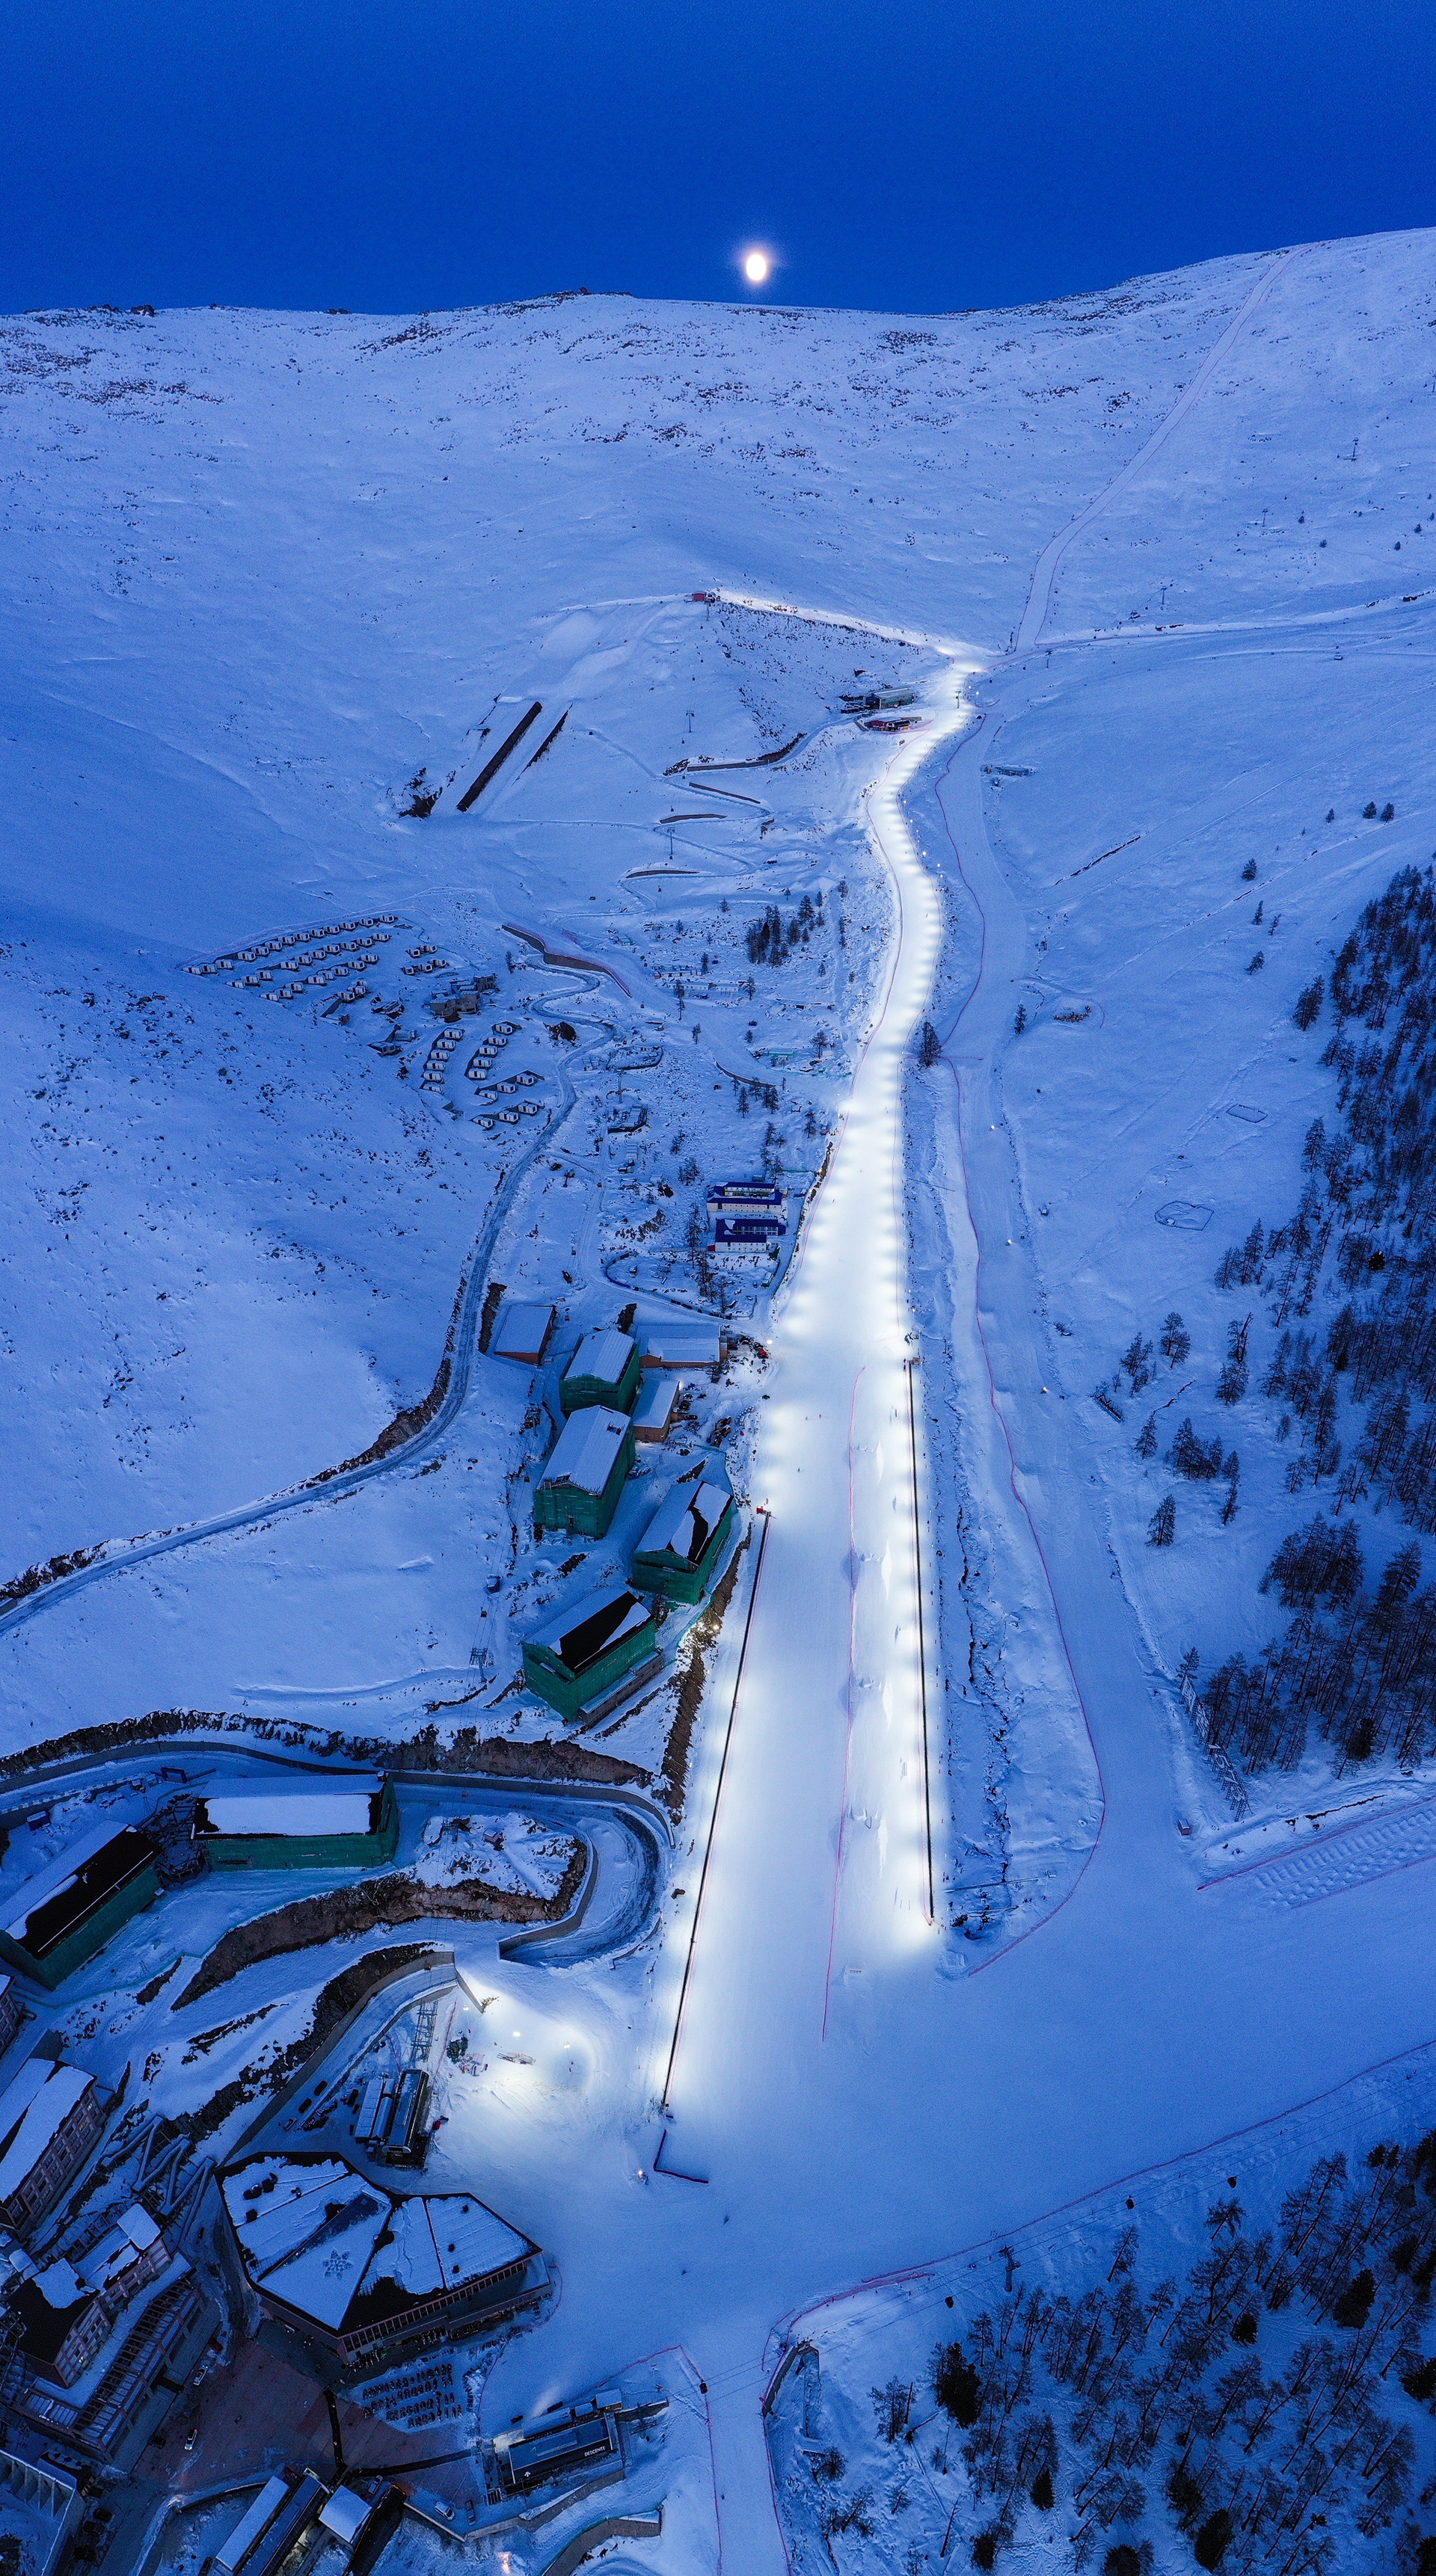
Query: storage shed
x=603 y=1370
x=73 y=1908
x=680 y=1550
x=522 y=1331
x=586 y=1473
x=671 y=1345
x=303 y=1826
x=593 y=1653
x=653 y=1412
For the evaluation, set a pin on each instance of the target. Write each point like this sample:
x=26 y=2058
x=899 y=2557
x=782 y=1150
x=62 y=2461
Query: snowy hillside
x=473 y=784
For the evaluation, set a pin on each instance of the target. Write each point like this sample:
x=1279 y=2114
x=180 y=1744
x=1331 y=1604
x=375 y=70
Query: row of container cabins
x=598 y=1649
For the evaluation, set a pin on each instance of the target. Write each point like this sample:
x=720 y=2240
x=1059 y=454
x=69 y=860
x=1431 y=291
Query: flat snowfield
x=472 y=784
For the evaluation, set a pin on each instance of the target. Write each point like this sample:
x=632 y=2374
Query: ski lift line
x=1039 y=598
x=1101 y=855
x=663 y=2099
x=492 y=767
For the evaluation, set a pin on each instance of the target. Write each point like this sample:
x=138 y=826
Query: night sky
x=393 y=155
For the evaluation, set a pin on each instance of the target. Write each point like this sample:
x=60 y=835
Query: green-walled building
x=682 y=1547
x=590 y=1463
x=300 y=1824
x=605 y=1369
x=593 y=1652
x=71 y=1910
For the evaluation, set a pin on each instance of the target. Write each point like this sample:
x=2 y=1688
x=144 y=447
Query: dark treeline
x=1262 y=2394
x=766 y=940
x=1359 y=1666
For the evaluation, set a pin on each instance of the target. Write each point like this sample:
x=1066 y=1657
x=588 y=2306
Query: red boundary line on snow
x=1083 y=2200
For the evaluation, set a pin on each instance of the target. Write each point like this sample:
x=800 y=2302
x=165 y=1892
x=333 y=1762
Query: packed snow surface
x=1003 y=1000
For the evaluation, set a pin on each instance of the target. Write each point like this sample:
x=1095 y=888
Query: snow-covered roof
x=673 y=1345
x=72 y=1887
x=687 y=1518
x=655 y=1403
x=522 y=1330
x=324 y=2233
x=118 y=2249
x=301 y=1810
x=586 y=1448
x=256 y=2518
x=604 y=1353
x=439 y=2244
x=59 y=2285
x=585 y=1629
x=345 y=2514
x=30 y=2114
x=309 y=2237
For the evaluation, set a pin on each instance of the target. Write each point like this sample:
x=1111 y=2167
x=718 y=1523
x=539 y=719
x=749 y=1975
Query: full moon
x=757 y=267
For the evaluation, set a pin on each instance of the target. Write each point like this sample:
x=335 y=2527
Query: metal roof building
x=72 y=1909
x=681 y=1549
x=605 y=1639
x=603 y=1370
x=586 y=1472
x=353 y=1824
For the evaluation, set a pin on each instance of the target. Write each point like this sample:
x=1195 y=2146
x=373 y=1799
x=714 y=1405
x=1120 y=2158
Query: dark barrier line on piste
x=713 y=1819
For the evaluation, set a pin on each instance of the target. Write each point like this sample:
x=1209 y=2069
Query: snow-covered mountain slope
x=271 y=571
x=280 y=587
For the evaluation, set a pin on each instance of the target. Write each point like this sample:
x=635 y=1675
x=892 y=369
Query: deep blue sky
x=399 y=154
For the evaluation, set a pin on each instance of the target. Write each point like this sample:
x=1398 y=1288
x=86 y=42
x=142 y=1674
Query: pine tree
x=1176 y=1340
x=1162 y=1527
